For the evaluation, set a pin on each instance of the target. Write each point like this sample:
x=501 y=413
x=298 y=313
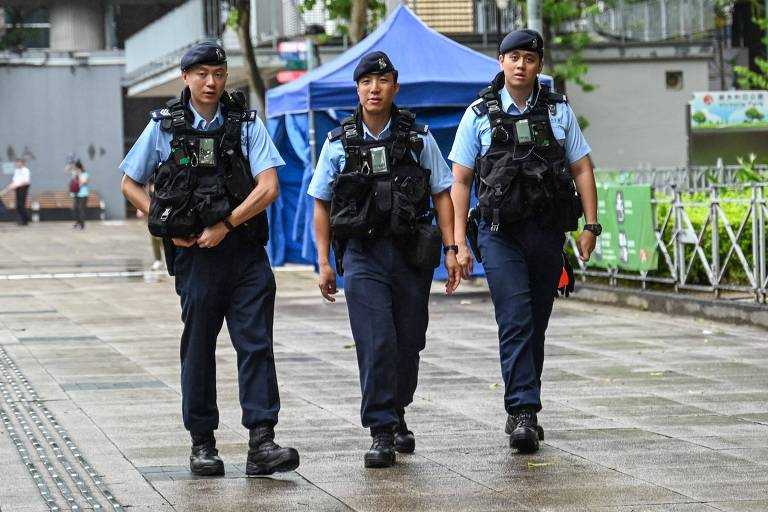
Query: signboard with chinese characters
x=628 y=241
x=729 y=109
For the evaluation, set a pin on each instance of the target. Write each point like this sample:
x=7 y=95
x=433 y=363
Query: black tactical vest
x=382 y=190
x=205 y=176
x=525 y=172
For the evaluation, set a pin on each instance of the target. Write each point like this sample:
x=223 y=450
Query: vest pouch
x=351 y=205
x=538 y=187
x=568 y=203
x=211 y=203
x=170 y=206
x=500 y=193
x=424 y=247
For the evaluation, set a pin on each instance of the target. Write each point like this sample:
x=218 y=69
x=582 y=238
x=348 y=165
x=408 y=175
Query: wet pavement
x=643 y=412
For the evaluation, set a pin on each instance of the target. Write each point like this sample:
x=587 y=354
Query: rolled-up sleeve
x=327 y=168
x=441 y=177
x=261 y=151
x=466 y=145
x=143 y=158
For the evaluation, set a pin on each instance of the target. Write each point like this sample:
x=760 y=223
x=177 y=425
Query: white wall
x=634 y=119
x=50 y=111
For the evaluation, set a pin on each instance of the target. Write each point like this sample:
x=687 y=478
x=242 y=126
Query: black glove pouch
x=424 y=246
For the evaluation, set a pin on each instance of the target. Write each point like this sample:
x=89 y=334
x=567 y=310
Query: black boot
x=265 y=456
x=509 y=427
x=524 y=435
x=382 y=451
x=405 y=442
x=205 y=460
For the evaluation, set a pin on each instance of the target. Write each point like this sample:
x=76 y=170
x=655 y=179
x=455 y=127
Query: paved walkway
x=643 y=412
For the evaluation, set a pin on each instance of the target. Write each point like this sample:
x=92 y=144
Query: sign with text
x=729 y=109
x=628 y=241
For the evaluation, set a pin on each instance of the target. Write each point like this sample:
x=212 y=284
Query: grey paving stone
x=646 y=413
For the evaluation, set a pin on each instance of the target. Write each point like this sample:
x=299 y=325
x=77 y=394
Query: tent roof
x=433 y=71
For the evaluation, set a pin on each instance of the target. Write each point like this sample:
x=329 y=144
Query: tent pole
x=310 y=65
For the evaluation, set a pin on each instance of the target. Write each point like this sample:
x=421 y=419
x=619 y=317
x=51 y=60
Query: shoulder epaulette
x=249 y=115
x=335 y=134
x=485 y=90
x=480 y=109
x=421 y=128
x=160 y=114
x=557 y=98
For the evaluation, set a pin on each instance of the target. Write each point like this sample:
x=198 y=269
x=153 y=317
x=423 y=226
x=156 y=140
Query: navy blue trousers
x=523 y=264
x=388 y=305
x=231 y=281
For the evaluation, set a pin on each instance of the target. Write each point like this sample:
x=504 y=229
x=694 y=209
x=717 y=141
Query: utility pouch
x=568 y=206
x=170 y=205
x=424 y=247
x=211 y=203
x=473 y=229
x=351 y=205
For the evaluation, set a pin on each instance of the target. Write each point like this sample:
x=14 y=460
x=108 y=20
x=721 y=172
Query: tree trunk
x=358 y=20
x=255 y=82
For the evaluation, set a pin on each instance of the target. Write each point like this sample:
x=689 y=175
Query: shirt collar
x=510 y=107
x=200 y=123
x=383 y=135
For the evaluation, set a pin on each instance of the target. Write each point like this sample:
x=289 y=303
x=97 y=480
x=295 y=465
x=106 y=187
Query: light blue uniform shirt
x=154 y=146
x=473 y=137
x=331 y=162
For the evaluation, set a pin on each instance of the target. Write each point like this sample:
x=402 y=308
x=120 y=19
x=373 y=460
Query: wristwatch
x=594 y=228
x=228 y=225
x=454 y=248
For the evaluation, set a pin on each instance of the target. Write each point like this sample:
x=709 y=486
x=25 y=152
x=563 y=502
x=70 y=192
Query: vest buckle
x=493 y=106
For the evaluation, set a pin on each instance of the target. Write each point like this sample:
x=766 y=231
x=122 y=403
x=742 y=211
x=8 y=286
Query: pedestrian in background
x=20 y=183
x=80 y=191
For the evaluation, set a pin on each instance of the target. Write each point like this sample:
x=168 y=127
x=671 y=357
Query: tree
x=746 y=77
x=555 y=14
x=240 y=20
x=353 y=15
x=15 y=35
x=753 y=114
x=699 y=117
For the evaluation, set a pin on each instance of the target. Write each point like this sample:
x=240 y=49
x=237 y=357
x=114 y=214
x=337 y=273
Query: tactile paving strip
x=27 y=410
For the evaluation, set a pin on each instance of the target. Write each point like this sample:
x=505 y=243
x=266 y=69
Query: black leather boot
x=405 y=442
x=524 y=435
x=509 y=427
x=265 y=456
x=381 y=454
x=205 y=460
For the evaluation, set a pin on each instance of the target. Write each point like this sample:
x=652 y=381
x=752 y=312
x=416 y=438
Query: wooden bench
x=58 y=206
x=9 y=201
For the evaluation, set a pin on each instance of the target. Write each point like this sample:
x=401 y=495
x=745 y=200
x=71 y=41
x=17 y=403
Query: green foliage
x=15 y=36
x=583 y=122
x=557 y=12
x=698 y=215
x=748 y=79
x=341 y=10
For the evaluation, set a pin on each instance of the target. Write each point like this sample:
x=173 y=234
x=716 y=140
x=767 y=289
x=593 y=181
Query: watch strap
x=228 y=225
x=454 y=248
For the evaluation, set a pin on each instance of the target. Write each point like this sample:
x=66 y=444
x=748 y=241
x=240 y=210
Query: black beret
x=374 y=63
x=203 y=53
x=525 y=39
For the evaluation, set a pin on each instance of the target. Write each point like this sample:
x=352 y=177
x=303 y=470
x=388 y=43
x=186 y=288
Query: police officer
x=220 y=263
x=522 y=146
x=372 y=185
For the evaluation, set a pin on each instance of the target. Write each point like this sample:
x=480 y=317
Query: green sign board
x=628 y=241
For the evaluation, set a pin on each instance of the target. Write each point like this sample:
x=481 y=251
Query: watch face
x=595 y=228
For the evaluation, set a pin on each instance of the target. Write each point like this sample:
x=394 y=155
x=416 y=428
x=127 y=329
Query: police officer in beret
x=372 y=187
x=521 y=145
x=213 y=166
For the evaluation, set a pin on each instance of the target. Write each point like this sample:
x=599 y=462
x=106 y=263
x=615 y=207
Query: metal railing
x=664 y=179
x=723 y=251
x=657 y=20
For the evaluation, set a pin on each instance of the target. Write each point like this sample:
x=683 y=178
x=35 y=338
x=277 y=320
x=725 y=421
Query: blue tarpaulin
x=438 y=79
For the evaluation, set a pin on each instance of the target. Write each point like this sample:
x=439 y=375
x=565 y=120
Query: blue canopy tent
x=438 y=79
